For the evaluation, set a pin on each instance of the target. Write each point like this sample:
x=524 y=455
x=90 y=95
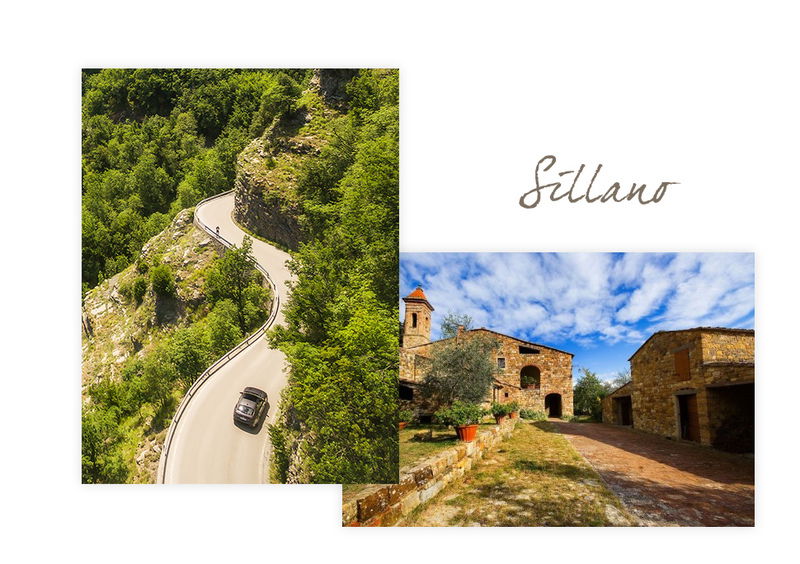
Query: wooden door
x=690 y=419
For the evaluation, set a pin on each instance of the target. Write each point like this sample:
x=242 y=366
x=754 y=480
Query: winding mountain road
x=206 y=445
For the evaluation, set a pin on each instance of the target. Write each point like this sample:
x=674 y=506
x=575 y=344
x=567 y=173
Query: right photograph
x=572 y=389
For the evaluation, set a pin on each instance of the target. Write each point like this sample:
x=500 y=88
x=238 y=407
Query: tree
x=346 y=391
x=152 y=183
x=163 y=280
x=233 y=277
x=101 y=460
x=189 y=352
x=588 y=394
x=223 y=331
x=461 y=369
x=622 y=378
x=451 y=323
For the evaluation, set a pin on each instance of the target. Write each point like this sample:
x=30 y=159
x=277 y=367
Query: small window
x=501 y=363
x=506 y=394
x=406 y=393
x=682 y=365
x=413 y=320
x=527 y=350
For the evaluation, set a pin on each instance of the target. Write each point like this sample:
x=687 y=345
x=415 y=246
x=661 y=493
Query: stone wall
x=555 y=374
x=610 y=414
x=387 y=505
x=716 y=356
x=728 y=346
x=555 y=368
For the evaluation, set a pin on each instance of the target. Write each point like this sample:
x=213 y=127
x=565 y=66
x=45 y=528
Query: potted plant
x=513 y=410
x=500 y=411
x=464 y=417
x=403 y=417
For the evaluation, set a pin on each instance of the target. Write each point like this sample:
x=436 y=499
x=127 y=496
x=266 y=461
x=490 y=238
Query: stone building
x=618 y=406
x=694 y=384
x=536 y=376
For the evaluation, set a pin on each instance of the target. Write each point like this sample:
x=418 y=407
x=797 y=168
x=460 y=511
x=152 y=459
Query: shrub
x=513 y=406
x=405 y=415
x=533 y=415
x=141 y=266
x=138 y=288
x=135 y=289
x=460 y=413
x=500 y=409
x=162 y=280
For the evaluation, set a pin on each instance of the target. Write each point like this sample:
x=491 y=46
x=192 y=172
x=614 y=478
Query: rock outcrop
x=266 y=199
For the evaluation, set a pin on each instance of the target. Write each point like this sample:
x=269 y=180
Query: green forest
x=156 y=141
x=341 y=336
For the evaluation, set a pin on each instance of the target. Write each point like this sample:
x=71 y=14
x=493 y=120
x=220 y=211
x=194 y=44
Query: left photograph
x=239 y=275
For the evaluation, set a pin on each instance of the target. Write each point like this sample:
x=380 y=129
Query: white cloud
x=581 y=296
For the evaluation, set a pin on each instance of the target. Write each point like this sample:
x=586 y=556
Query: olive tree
x=460 y=369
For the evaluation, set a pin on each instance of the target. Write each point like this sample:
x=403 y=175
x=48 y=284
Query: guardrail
x=228 y=356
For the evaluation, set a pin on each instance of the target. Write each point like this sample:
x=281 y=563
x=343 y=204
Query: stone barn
x=536 y=376
x=618 y=406
x=694 y=384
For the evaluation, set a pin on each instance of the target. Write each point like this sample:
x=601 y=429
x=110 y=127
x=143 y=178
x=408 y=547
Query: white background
x=699 y=93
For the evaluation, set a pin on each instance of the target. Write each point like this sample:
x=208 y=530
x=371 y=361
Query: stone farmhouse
x=536 y=376
x=694 y=384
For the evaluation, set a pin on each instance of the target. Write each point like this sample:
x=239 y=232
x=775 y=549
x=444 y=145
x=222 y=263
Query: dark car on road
x=251 y=406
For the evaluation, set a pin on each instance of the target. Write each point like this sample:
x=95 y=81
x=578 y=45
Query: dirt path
x=664 y=482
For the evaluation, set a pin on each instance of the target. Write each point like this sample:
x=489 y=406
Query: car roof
x=255 y=392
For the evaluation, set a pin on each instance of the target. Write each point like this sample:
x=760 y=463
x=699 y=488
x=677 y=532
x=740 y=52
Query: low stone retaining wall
x=386 y=505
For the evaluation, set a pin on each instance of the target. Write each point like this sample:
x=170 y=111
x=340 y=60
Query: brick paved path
x=664 y=482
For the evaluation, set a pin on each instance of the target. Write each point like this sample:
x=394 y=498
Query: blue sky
x=599 y=306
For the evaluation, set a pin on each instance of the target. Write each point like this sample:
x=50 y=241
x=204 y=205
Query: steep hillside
x=118 y=332
x=116 y=327
x=281 y=174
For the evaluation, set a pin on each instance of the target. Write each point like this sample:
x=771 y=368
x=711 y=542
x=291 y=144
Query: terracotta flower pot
x=499 y=418
x=514 y=414
x=466 y=433
x=402 y=424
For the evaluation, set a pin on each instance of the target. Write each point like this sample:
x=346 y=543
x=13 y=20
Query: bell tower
x=417 y=325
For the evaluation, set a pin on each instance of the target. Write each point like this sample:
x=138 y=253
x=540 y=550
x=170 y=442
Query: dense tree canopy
x=156 y=141
x=341 y=320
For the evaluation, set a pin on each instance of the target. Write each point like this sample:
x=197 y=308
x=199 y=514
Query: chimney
x=459 y=333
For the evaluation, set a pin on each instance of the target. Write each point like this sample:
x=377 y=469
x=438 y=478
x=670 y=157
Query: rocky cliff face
x=266 y=201
x=331 y=83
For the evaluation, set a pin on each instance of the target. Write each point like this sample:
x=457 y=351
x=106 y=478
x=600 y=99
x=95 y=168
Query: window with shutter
x=682 y=365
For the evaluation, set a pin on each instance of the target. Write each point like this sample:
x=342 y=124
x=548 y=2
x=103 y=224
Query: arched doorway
x=530 y=377
x=552 y=405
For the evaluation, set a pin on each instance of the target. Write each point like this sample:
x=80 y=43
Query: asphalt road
x=207 y=447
